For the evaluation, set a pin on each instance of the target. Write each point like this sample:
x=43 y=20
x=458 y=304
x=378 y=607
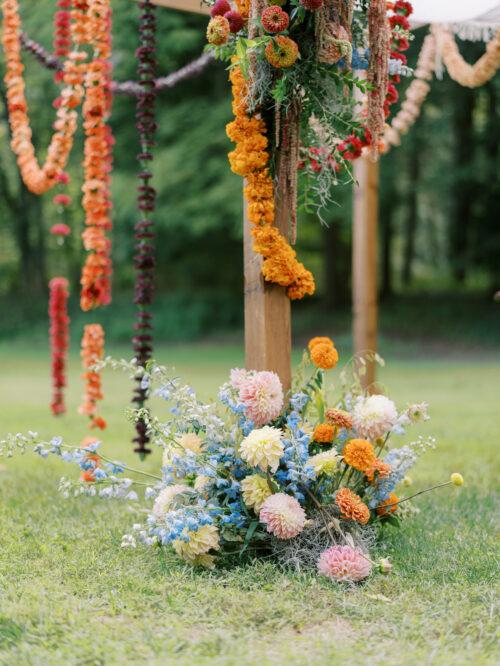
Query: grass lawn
x=70 y=595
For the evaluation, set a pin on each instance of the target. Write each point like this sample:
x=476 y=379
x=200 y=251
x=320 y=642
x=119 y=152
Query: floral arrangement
x=306 y=478
x=292 y=69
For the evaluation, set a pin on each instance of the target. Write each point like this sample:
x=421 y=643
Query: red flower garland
x=62 y=33
x=59 y=340
x=92 y=352
x=96 y=273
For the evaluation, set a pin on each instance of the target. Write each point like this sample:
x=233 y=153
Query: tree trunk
x=336 y=265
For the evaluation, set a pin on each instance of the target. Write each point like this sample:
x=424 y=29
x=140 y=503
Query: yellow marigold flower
x=324 y=433
x=218 y=30
x=407 y=481
x=351 y=506
x=324 y=355
x=389 y=506
x=201 y=541
x=263 y=448
x=378 y=470
x=318 y=340
x=457 y=479
x=359 y=453
x=325 y=462
x=255 y=490
x=339 y=417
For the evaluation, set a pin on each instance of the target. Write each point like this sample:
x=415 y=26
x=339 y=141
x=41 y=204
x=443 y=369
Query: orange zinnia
x=324 y=433
x=389 y=506
x=359 y=453
x=351 y=506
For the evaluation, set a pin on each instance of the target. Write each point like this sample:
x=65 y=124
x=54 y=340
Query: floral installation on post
x=92 y=353
x=96 y=272
x=292 y=71
x=39 y=179
x=59 y=340
x=308 y=480
x=144 y=258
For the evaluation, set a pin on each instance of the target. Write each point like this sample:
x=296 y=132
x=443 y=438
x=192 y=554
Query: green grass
x=70 y=595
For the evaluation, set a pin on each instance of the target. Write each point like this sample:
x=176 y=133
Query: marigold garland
x=96 y=272
x=250 y=160
x=38 y=179
x=92 y=352
x=59 y=340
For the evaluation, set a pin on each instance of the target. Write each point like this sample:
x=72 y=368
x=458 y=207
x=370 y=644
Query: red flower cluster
x=398 y=21
x=92 y=352
x=96 y=273
x=234 y=18
x=317 y=159
x=62 y=33
x=59 y=340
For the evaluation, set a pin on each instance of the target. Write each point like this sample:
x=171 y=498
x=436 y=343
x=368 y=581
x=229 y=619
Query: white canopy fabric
x=469 y=20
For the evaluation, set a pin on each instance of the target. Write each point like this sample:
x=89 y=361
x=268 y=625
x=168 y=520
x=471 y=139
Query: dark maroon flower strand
x=144 y=257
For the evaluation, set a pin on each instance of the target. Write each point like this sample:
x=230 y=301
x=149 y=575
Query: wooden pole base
x=268 y=330
x=364 y=262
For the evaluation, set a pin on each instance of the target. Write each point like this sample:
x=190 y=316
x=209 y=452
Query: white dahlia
x=263 y=448
x=374 y=416
x=164 y=500
x=325 y=462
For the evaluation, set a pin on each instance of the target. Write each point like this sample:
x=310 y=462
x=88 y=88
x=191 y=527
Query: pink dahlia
x=283 y=515
x=262 y=395
x=344 y=564
x=237 y=377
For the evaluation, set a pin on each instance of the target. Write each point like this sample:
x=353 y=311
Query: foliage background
x=440 y=196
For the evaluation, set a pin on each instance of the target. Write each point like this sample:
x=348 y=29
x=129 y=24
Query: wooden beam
x=184 y=5
x=364 y=262
x=268 y=329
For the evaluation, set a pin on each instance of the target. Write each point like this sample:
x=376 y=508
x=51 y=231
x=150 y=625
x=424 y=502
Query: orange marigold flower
x=389 y=506
x=359 y=453
x=88 y=476
x=319 y=340
x=378 y=470
x=282 y=52
x=98 y=422
x=324 y=433
x=351 y=506
x=324 y=355
x=339 y=417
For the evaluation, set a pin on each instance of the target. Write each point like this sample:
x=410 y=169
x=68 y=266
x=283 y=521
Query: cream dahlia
x=344 y=564
x=255 y=490
x=263 y=448
x=262 y=395
x=324 y=462
x=200 y=542
x=283 y=515
x=164 y=500
x=374 y=416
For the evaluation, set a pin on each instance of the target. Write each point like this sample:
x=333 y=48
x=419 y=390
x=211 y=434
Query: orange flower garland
x=96 y=273
x=38 y=179
x=250 y=159
x=92 y=352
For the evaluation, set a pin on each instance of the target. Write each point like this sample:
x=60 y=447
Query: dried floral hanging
x=144 y=259
x=59 y=340
x=92 y=352
x=378 y=69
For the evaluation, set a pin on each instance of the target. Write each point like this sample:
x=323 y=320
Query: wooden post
x=364 y=261
x=194 y=6
x=268 y=329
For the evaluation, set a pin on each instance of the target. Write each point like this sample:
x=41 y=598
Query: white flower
x=164 y=500
x=263 y=448
x=418 y=412
x=374 y=416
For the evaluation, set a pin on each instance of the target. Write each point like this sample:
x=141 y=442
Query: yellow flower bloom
x=200 y=542
x=325 y=462
x=255 y=491
x=457 y=479
x=407 y=481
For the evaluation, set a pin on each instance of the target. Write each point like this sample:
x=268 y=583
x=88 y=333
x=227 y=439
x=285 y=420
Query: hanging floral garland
x=62 y=41
x=38 y=179
x=378 y=70
x=96 y=272
x=470 y=76
x=59 y=340
x=144 y=259
x=92 y=352
x=250 y=160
